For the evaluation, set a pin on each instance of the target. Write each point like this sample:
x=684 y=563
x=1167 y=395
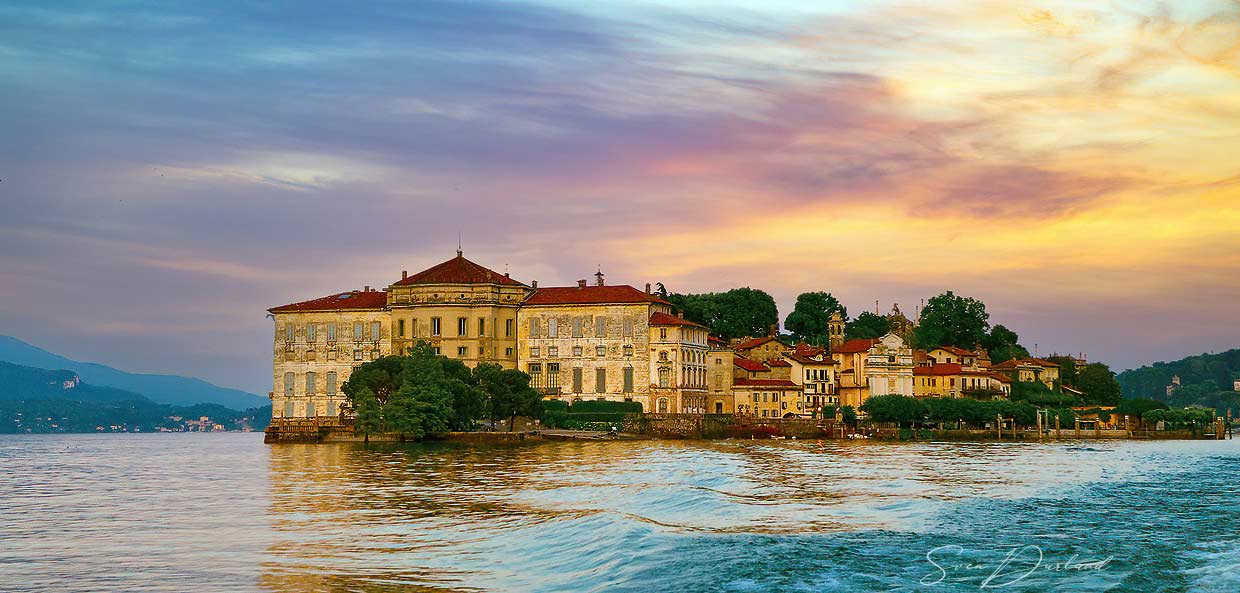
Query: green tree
x=1068 y=373
x=867 y=326
x=1099 y=384
x=894 y=408
x=950 y=320
x=737 y=313
x=508 y=393
x=368 y=417
x=811 y=314
x=849 y=415
x=1003 y=344
x=1038 y=394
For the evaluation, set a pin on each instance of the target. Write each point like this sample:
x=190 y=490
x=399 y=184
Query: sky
x=169 y=170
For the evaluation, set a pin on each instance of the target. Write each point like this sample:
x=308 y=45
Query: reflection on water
x=224 y=512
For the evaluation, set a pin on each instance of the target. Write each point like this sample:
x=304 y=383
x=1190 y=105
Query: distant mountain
x=57 y=401
x=1205 y=379
x=167 y=389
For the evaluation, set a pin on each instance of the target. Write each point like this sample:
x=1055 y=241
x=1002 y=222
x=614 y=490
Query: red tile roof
x=765 y=383
x=855 y=346
x=778 y=363
x=755 y=342
x=458 y=270
x=716 y=340
x=375 y=299
x=591 y=295
x=1002 y=378
x=956 y=351
x=1013 y=363
x=804 y=349
x=660 y=318
x=1005 y=365
x=938 y=370
x=752 y=366
x=807 y=360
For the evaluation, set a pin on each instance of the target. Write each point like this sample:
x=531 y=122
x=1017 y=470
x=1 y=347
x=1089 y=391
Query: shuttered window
x=310 y=332
x=288 y=383
x=331 y=332
x=310 y=383
x=357 y=332
x=600 y=380
x=533 y=328
x=628 y=379
x=553 y=328
x=600 y=327
x=331 y=383
x=577 y=380
x=577 y=332
x=374 y=331
x=628 y=326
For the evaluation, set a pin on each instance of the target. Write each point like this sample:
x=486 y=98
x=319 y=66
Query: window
x=482 y=327
x=577 y=333
x=577 y=380
x=600 y=351
x=288 y=383
x=535 y=368
x=553 y=330
x=357 y=331
x=357 y=355
x=600 y=380
x=507 y=328
x=374 y=331
x=309 y=332
x=482 y=352
x=663 y=356
x=576 y=350
x=309 y=409
x=600 y=326
x=628 y=379
x=533 y=351
x=310 y=383
x=755 y=398
x=436 y=326
x=533 y=328
x=331 y=384
x=436 y=350
x=553 y=351
x=461 y=323
x=628 y=350
x=553 y=375
x=664 y=377
x=628 y=326
x=462 y=351
x=374 y=354
x=331 y=407
x=288 y=332
x=508 y=352
x=400 y=327
x=662 y=333
x=288 y=409
x=331 y=332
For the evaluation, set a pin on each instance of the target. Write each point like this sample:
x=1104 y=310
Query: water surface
x=224 y=512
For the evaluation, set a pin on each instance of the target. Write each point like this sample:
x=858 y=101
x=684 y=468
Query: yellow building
x=598 y=342
x=317 y=344
x=953 y=355
x=954 y=380
x=464 y=311
x=766 y=398
x=815 y=372
x=719 y=376
x=871 y=367
x=1029 y=369
x=764 y=348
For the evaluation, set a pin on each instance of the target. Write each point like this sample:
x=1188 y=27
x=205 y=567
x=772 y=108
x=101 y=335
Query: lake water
x=224 y=512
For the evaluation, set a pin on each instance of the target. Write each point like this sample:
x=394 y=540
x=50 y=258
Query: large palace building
x=576 y=342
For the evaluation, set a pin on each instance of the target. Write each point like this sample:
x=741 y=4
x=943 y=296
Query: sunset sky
x=169 y=171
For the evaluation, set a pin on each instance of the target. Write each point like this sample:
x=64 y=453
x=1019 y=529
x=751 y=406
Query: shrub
x=610 y=407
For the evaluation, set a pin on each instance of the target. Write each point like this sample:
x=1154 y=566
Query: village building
x=956 y=380
x=1029 y=369
x=815 y=371
x=720 y=361
x=762 y=348
x=869 y=367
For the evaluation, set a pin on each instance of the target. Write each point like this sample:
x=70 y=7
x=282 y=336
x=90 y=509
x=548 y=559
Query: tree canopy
x=867 y=326
x=1099 y=384
x=422 y=393
x=737 y=313
x=809 y=319
x=951 y=320
x=1003 y=344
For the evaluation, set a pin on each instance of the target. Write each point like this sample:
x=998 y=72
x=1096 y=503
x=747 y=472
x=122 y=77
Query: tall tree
x=867 y=326
x=1068 y=372
x=951 y=320
x=413 y=395
x=1003 y=344
x=368 y=418
x=1099 y=384
x=508 y=393
x=809 y=318
x=737 y=313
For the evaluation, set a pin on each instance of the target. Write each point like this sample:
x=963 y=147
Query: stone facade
x=874 y=367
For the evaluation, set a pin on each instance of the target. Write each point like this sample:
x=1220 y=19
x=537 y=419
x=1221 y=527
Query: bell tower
x=835 y=330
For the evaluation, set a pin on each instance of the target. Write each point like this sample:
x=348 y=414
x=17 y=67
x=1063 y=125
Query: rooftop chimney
x=534 y=284
x=366 y=288
x=647 y=288
x=581 y=284
x=680 y=313
x=598 y=277
x=404 y=274
x=506 y=275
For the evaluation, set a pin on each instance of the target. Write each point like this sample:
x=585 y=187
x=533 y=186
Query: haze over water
x=227 y=513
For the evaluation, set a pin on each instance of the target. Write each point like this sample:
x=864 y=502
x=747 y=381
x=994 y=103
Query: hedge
x=592 y=406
